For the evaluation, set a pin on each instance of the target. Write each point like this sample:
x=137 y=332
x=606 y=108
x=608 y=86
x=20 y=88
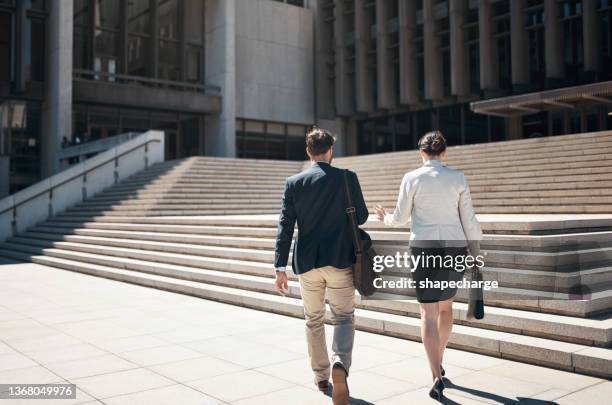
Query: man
x=322 y=257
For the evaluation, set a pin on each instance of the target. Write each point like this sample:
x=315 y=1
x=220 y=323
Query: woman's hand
x=380 y=212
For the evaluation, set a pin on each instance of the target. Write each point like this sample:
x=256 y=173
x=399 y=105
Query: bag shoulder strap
x=350 y=210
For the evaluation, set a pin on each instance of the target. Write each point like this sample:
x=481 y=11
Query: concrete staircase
x=206 y=226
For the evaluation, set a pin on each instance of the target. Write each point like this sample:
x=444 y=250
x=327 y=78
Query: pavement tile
x=195 y=369
x=371 y=387
x=90 y=366
x=241 y=385
x=66 y=353
x=160 y=355
x=122 y=382
x=295 y=396
x=11 y=361
x=171 y=395
x=553 y=378
x=596 y=394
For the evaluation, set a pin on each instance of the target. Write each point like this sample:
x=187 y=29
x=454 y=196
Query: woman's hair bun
x=433 y=143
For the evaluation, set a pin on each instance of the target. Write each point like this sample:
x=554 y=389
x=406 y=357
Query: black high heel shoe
x=437 y=390
x=442 y=371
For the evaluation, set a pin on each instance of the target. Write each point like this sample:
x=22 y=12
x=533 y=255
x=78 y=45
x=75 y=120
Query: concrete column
x=489 y=79
x=221 y=71
x=553 y=39
x=386 y=83
x=57 y=107
x=364 y=87
x=343 y=87
x=518 y=41
x=460 y=78
x=409 y=91
x=324 y=55
x=591 y=36
x=433 y=58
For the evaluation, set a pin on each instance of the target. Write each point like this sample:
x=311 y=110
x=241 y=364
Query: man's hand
x=281 y=285
x=380 y=212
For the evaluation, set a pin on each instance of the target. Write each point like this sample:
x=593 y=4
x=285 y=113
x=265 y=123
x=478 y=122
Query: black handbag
x=363 y=269
x=476 y=301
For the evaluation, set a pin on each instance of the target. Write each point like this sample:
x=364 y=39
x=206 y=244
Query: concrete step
x=597 y=278
x=258 y=249
x=526 y=298
x=520 y=224
x=589 y=331
x=543 y=243
x=563 y=355
x=274 y=209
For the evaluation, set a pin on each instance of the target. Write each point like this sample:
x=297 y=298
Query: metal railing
x=92 y=75
x=94 y=147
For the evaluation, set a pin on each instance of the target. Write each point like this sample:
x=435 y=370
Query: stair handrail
x=81 y=170
x=85 y=148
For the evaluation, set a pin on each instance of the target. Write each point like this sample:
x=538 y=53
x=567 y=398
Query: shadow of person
x=497 y=398
x=352 y=401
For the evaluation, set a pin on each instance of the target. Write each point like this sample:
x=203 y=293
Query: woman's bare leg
x=445 y=324
x=431 y=336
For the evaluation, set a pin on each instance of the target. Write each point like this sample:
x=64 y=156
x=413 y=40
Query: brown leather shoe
x=323 y=385
x=340 y=393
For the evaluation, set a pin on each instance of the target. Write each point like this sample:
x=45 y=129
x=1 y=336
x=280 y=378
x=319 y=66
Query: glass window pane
x=107 y=49
x=137 y=55
x=194 y=15
x=35 y=63
x=5 y=47
x=254 y=142
x=194 y=64
x=296 y=130
x=168 y=19
x=81 y=48
x=107 y=13
x=37 y=5
x=254 y=126
x=190 y=136
x=81 y=12
x=139 y=17
x=276 y=141
x=135 y=121
x=165 y=121
x=169 y=68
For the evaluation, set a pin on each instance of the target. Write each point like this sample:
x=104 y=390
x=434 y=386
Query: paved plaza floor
x=125 y=344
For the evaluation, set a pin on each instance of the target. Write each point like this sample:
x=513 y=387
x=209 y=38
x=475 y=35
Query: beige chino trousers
x=337 y=284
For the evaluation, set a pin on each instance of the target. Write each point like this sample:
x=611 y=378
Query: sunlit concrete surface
x=126 y=344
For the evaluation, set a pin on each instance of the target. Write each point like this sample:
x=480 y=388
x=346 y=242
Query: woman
x=436 y=199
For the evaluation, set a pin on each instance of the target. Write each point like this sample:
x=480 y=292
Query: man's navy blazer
x=315 y=198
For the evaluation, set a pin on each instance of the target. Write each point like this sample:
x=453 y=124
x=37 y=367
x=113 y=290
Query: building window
x=535 y=32
x=605 y=16
x=5 y=47
x=139 y=38
x=501 y=20
x=270 y=140
x=573 y=46
x=471 y=43
x=168 y=21
x=106 y=37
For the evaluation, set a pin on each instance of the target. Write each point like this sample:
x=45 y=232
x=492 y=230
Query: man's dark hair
x=319 y=141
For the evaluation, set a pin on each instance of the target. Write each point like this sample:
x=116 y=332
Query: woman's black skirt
x=434 y=271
